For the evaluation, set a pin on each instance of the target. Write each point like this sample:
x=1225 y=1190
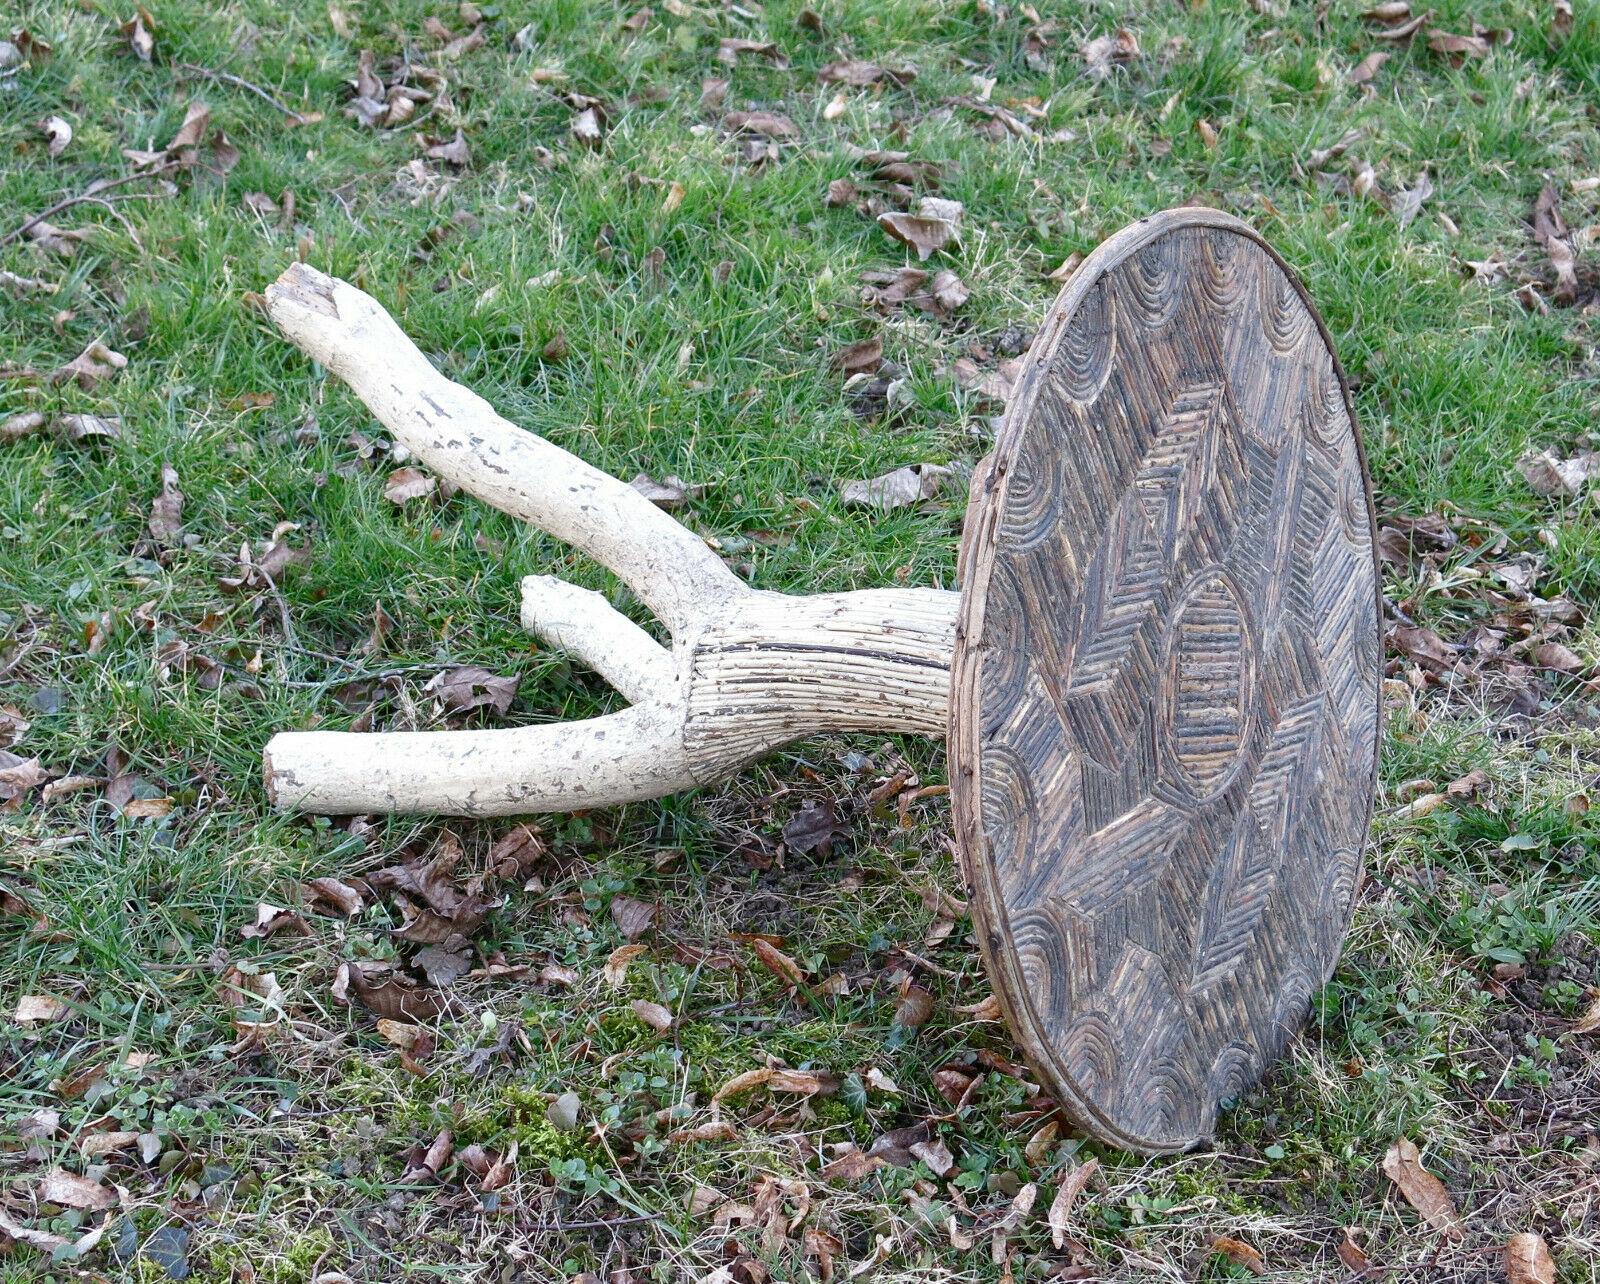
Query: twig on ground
x=117 y=214
x=228 y=78
x=608 y=1221
x=84 y=198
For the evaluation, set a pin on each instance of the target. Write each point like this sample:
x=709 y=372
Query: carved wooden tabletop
x=1164 y=716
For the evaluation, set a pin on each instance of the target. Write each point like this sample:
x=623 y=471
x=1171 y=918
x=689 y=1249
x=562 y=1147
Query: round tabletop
x=1165 y=700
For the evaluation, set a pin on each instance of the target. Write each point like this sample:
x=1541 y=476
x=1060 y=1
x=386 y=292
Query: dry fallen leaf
x=1494 y=268
x=1423 y=645
x=1528 y=1260
x=338 y=896
x=803 y=1083
x=862 y=357
x=923 y=233
x=44 y=1241
x=97 y=1145
x=437 y=908
x=671 y=493
x=1404 y=540
x=819 y=1244
x=852 y=1166
x=711 y=1130
x=1589 y=1022
x=19 y=775
x=1351 y=1254
x=1550 y=230
x=25 y=44
x=138 y=35
x=406 y=484
x=653 y=1015
x=470 y=687
x=1240 y=1254
x=271 y=919
x=731 y=48
x=17 y=286
x=1320 y=156
x=560 y=974
x=858 y=74
x=1423 y=1191
x=985 y=1009
x=166 y=511
x=58 y=1186
x=1038 y=1147
x=1103 y=53
x=452 y=152
x=712 y=92
x=904 y=486
x=768 y=124
x=62 y=241
x=586 y=127
x=633 y=917
x=1549 y=475
x=58 y=131
x=425 y=1162
x=196 y=120
x=37 y=1126
x=812 y=828
x=616 y=968
x=1400 y=27
x=914 y=1008
x=1069 y=265
x=936 y=1155
x=1389 y=12
x=994 y=385
x=948 y=292
x=1408 y=201
x=89 y=367
x=389 y=994
x=1458 y=47
x=1562 y=659
x=778 y=963
x=1072 y=1185
x=401 y=1034
x=493 y=1170
x=1468 y=786
x=87 y=428
x=841 y=192
x=39 y=1009
x=1368 y=67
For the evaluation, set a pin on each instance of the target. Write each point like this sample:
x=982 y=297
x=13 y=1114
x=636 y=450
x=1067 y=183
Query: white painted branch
x=748 y=671
x=561 y=766
x=581 y=621
x=775 y=669
x=460 y=436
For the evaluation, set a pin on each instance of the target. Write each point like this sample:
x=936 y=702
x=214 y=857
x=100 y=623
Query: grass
x=291 y=1156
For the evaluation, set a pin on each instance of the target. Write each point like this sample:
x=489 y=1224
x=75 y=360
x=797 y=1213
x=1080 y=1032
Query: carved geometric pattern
x=1165 y=696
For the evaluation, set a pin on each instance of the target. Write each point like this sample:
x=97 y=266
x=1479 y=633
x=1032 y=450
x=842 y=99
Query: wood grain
x=1164 y=712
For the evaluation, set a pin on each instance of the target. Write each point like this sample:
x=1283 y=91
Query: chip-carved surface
x=1164 y=712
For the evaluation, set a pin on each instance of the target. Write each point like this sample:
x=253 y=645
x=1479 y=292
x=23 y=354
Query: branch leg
x=458 y=435
x=581 y=621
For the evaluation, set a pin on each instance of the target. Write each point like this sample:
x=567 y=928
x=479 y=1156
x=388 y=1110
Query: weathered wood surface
x=747 y=671
x=1164 y=710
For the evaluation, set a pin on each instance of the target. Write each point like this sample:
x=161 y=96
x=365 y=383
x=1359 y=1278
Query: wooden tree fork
x=747 y=671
